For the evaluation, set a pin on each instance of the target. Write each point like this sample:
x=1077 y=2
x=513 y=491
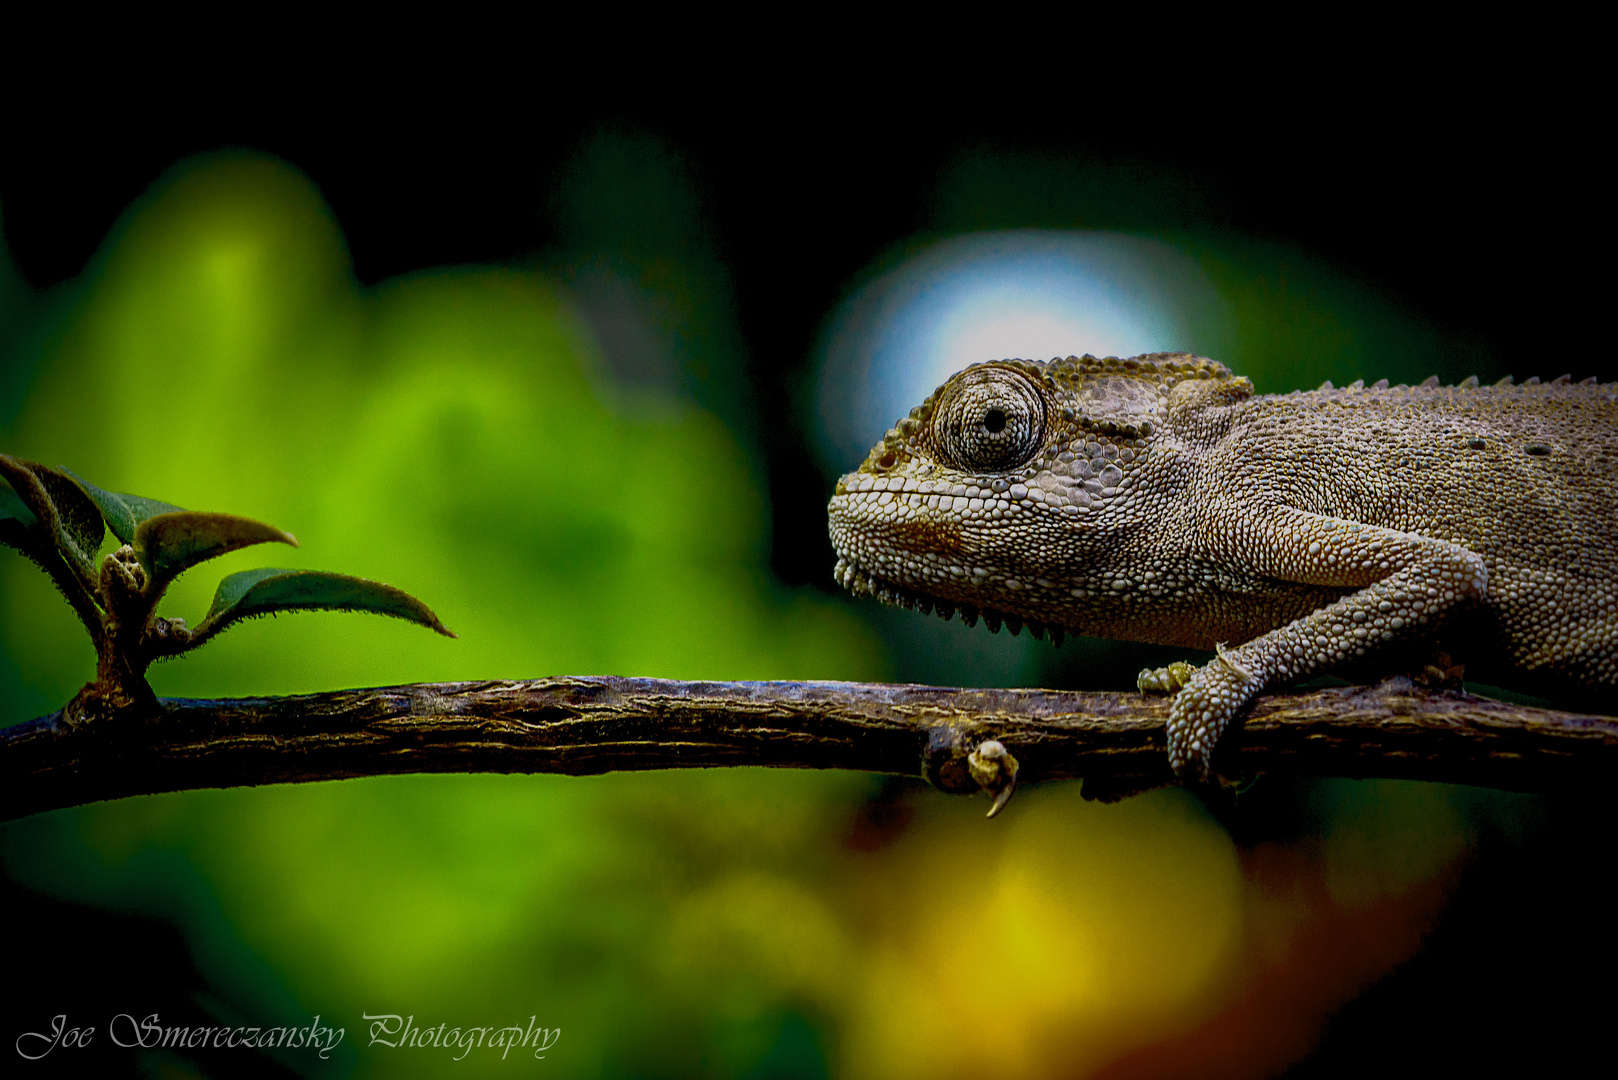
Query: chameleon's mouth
x=862 y=582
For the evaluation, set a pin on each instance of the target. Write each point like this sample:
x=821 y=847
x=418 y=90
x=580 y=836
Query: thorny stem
x=581 y=726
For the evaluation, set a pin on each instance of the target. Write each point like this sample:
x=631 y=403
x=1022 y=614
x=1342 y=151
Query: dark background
x=1481 y=208
x=1481 y=204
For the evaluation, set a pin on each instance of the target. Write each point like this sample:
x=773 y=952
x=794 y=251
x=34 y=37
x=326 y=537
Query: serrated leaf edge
x=146 y=528
x=98 y=494
x=217 y=620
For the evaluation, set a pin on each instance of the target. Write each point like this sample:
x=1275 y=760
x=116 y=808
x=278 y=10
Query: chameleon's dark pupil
x=994 y=421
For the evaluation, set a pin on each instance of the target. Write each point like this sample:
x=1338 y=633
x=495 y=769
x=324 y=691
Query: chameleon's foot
x=1202 y=710
x=1165 y=680
x=995 y=770
x=1440 y=673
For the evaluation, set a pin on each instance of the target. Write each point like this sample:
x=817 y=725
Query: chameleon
x=1158 y=498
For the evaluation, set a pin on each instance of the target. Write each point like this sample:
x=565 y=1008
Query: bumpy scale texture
x=1157 y=499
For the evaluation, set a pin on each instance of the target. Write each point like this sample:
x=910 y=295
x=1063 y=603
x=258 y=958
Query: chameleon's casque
x=1158 y=499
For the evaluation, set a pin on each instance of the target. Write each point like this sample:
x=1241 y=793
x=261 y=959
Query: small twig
x=580 y=726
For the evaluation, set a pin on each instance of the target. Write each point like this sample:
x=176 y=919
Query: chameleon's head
x=992 y=494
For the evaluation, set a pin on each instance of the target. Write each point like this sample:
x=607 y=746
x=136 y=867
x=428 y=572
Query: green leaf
x=78 y=517
x=22 y=529
x=168 y=544
x=123 y=513
x=19 y=527
x=264 y=592
x=14 y=509
x=69 y=517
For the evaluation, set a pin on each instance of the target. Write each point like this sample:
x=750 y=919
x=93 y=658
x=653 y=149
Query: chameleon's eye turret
x=990 y=419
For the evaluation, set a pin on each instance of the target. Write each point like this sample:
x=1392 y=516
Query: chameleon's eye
x=990 y=419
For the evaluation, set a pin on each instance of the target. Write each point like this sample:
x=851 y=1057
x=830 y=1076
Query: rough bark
x=579 y=726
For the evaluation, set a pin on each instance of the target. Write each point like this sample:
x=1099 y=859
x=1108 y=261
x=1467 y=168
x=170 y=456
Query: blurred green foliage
x=467 y=435
x=443 y=434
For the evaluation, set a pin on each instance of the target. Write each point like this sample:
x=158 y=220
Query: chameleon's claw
x=995 y=770
x=1165 y=680
x=1001 y=799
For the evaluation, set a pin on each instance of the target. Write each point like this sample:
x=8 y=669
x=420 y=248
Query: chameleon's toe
x=1201 y=712
x=995 y=770
x=1165 y=680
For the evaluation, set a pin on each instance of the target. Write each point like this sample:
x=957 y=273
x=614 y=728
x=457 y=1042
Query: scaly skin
x=1158 y=499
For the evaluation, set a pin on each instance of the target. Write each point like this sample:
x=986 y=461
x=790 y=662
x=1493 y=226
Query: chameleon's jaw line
x=862 y=583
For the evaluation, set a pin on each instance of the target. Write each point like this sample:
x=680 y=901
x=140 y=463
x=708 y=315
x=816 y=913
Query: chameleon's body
x=1158 y=499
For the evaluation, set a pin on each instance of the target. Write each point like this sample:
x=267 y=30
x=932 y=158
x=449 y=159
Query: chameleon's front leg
x=1408 y=582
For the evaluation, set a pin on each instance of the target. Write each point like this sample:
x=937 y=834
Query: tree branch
x=580 y=726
